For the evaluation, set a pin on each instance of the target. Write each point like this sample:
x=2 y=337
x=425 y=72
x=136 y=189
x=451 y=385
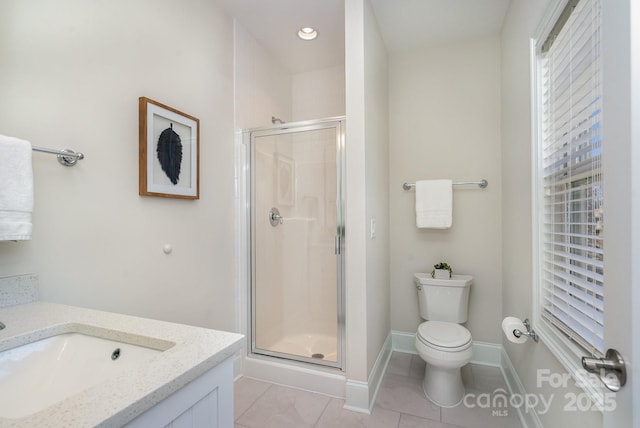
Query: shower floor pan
x=317 y=346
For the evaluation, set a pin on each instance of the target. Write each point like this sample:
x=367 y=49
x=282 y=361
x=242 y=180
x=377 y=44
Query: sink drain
x=318 y=356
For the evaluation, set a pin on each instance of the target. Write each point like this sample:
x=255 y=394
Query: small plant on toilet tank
x=441 y=270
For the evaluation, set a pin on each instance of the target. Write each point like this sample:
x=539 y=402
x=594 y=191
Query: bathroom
x=71 y=76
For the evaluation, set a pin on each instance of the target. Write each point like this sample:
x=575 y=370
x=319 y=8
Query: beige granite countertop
x=121 y=398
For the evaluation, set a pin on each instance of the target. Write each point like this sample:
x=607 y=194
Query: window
x=568 y=187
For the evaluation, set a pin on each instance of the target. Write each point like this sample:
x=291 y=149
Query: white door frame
x=620 y=39
x=634 y=14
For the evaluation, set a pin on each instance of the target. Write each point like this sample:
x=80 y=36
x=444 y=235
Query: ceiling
x=404 y=24
x=411 y=24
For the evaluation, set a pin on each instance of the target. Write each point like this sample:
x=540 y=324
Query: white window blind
x=571 y=252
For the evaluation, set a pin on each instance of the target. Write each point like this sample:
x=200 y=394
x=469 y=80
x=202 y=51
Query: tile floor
x=400 y=403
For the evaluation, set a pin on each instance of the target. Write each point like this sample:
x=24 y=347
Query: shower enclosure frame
x=248 y=139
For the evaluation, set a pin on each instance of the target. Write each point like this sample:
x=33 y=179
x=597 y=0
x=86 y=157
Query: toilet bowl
x=441 y=341
x=445 y=347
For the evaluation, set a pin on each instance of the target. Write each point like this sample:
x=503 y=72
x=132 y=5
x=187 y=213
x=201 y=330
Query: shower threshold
x=311 y=377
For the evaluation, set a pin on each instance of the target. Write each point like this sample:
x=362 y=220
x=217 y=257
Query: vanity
x=66 y=366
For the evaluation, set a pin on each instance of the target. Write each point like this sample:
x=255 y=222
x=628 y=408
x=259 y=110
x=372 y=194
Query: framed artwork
x=169 y=147
x=286 y=176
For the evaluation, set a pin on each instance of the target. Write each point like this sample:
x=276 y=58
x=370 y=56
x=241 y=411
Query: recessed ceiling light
x=307 y=33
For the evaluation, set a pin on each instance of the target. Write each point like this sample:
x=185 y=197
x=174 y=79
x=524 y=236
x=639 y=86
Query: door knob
x=611 y=369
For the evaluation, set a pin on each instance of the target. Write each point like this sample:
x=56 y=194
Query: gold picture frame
x=169 y=151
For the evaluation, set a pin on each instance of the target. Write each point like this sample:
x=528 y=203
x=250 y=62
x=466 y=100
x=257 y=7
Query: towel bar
x=481 y=184
x=66 y=157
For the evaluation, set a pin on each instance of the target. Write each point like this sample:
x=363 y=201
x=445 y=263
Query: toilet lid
x=444 y=334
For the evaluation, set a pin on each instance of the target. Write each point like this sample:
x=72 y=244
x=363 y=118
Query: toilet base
x=443 y=387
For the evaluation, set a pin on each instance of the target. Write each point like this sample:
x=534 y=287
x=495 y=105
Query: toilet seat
x=444 y=336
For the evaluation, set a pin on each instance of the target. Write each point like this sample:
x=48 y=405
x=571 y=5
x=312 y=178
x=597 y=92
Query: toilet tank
x=443 y=299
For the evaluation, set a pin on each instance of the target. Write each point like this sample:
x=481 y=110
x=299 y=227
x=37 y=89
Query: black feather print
x=170 y=153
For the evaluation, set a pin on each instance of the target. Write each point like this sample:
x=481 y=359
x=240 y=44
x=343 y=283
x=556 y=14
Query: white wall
x=318 y=94
x=263 y=86
x=355 y=216
x=376 y=107
x=368 y=307
x=71 y=75
x=445 y=123
x=520 y=24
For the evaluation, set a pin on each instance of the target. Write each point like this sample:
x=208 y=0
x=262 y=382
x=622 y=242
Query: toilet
x=441 y=341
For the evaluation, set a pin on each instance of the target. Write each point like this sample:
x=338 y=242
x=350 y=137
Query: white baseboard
x=403 y=342
x=488 y=354
x=378 y=370
x=361 y=396
x=529 y=418
x=357 y=396
x=238 y=359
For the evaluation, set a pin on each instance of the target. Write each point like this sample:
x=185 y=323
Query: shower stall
x=296 y=240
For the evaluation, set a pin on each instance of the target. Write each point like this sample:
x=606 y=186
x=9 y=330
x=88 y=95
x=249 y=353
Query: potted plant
x=441 y=271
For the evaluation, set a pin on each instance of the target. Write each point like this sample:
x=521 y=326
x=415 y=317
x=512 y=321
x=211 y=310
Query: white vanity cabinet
x=205 y=402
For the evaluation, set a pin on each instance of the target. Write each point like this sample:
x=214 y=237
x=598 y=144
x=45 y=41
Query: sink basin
x=56 y=369
x=39 y=374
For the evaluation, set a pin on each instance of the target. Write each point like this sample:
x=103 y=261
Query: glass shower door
x=296 y=242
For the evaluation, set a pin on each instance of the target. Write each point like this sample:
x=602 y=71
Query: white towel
x=16 y=189
x=434 y=204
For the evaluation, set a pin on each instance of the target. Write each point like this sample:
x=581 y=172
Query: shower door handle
x=337 y=244
x=274 y=217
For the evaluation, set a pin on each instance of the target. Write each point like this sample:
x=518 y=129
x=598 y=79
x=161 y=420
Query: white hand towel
x=16 y=189
x=434 y=204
